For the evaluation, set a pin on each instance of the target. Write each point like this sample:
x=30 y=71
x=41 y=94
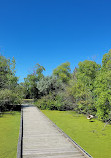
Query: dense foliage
x=82 y=88
x=63 y=72
x=30 y=82
x=9 y=89
x=103 y=88
x=87 y=90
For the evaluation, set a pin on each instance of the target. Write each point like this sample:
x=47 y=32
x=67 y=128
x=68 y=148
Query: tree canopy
x=9 y=88
x=63 y=72
x=87 y=90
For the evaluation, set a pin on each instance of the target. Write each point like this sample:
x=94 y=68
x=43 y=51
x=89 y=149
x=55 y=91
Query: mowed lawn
x=9 y=133
x=91 y=136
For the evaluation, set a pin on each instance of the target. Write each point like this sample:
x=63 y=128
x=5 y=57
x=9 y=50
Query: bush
x=8 y=97
x=61 y=102
x=64 y=101
x=46 y=102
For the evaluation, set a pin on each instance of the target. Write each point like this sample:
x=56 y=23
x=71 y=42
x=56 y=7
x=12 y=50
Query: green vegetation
x=10 y=97
x=9 y=133
x=10 y=92
x=63 y=72
x=87 y=90
x=30 y=82
x=93 y=136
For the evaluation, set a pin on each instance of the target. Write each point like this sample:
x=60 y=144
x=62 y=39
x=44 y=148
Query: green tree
x=4 y=71
x=38 y=71
x=30 y=83
x=30 y=86
x=82 y=87
x=63 y=72
x=7 y=73
x=8 y=83
x=103 y=88
x=49 y=84
x=106 y=61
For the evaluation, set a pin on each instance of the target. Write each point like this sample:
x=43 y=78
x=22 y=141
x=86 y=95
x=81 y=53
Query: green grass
x=9 y=133
x=91 y=136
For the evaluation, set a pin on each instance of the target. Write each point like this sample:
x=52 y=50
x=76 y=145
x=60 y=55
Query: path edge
x=20 y=139
x=86 y=154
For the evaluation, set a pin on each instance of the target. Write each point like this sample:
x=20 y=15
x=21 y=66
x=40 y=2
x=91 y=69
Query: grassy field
x=91 y=136
x=9 y=132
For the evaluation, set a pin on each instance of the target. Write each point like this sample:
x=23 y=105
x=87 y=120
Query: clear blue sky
x=51 y=32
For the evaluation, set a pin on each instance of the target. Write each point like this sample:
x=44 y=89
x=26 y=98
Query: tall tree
x=106 y=61
x=82 y=88
x=7 y=73
x=8 y=83
x=103 y=88
x=63 y=72
x=31 y=81
x=4 y=71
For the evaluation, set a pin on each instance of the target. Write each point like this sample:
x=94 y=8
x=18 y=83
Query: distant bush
x=64 y=101
x=46 y=102
x=55 y=102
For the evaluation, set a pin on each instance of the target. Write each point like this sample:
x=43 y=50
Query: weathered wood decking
x=42 y=139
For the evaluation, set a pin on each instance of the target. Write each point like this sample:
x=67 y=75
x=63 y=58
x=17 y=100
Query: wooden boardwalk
x=42 y=139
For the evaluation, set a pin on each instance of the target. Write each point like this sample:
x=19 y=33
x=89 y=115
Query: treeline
x=87 y=90
x=10 y=91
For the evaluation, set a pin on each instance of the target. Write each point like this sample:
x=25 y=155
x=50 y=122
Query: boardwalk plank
x=42 y=139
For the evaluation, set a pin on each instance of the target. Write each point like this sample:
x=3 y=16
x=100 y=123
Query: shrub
x=46 y=102
x=61 y=102
x=8 y=97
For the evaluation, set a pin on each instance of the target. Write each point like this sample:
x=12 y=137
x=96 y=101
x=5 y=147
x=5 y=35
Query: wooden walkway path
x=42 y=139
